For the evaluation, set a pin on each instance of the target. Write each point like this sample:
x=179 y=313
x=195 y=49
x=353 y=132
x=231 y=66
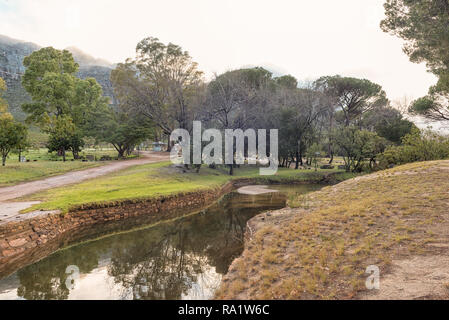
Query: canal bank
x=182 y=258
x=27 y=241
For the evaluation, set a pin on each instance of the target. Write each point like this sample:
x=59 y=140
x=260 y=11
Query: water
x=182 y=259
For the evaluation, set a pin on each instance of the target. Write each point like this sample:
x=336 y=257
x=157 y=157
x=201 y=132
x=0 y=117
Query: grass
x=321 y=248
x=150 y=180
x=43 y=154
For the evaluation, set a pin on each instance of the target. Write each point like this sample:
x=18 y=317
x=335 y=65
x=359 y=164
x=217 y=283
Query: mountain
x=12 y=53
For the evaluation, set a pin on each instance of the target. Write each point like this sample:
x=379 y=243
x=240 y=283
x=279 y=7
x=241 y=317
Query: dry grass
x=321 y=248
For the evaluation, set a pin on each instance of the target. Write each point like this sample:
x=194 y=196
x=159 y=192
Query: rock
x=18 y=242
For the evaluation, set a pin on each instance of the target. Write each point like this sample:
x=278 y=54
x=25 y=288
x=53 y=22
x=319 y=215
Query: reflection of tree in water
x=166 y=261
x=46 y=278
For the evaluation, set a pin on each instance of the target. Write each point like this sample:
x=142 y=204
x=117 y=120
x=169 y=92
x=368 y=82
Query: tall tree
x=161 y=83
x=235 y=99
x=64 y=136
x=59 y=97
x=12 y=133
x=424 y=25
x=352 y=96
x=121 y=130
x=50 y=80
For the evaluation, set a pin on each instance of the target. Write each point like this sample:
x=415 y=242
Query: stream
x=181 y=259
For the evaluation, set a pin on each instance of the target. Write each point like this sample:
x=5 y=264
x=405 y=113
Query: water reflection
x=182 y=259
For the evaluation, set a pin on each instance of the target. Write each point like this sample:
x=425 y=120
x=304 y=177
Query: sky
x=304 y=38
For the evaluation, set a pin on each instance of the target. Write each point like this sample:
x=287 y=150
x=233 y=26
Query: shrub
x=417 y=146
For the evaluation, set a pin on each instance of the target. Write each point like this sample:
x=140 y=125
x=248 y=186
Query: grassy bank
x=157 y=179
x=321 y=249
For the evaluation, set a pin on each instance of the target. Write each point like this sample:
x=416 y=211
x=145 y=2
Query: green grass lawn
x=152 y=180
x=43 y=154
x=16 y=172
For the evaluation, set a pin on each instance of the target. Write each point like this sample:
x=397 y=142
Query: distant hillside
x=12 y=53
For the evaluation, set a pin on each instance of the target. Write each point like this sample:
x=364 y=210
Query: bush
x=417 y=146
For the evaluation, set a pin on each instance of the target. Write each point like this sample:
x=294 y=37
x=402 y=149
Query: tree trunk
x=168 y=144
x=297 y=161
x=20 y=155
x=63 y=154
x=3 y=160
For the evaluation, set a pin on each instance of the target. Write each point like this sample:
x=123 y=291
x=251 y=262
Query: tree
x=352 y=96
x=235 y=99
x=299 y=111
x=424 y=25
x=64 y=137
x=121 y=130
x=387 y=122
x=49 y=78
x=431 y=107
x=161 y=83
x=314 y=153
x=358 y=145
x=60 y=99
x=12 y=133
x=287 y=81
x=22 y=145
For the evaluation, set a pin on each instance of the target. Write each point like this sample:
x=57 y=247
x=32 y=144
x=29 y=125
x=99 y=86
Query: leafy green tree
x=121 y=130
x=287 y=81
x=431 y=107
x=423 y=24
x=12 y=134
x=60 y=100
x=352 y=96
x=387 y=122
x=50 y=80
x=64 y=137
x=356 y=146
x=314 y=152
x=418 y=145
x=22 y=145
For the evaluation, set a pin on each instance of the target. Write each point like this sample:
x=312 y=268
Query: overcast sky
x=304 y=38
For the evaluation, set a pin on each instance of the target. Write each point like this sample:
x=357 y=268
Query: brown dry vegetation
x=321 y=248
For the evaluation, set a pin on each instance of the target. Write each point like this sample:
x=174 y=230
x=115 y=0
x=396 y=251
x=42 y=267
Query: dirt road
x=10 y=210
